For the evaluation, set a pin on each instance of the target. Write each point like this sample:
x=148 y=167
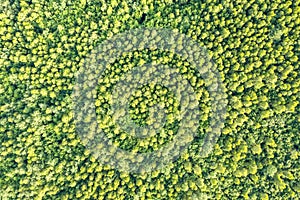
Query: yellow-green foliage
x=255 y=46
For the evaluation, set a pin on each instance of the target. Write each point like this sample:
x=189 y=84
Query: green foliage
x=255 y=46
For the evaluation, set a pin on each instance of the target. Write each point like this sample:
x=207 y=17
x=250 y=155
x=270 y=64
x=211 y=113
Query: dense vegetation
x=255 y=46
